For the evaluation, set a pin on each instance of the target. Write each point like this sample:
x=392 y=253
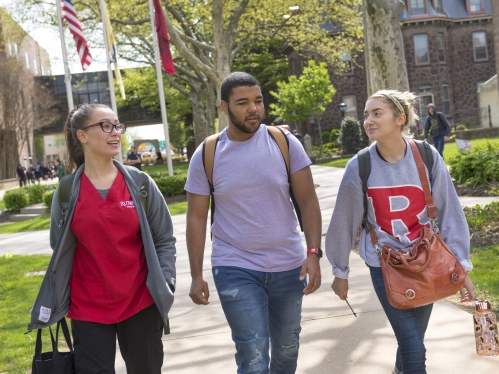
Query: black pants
x=139 y=338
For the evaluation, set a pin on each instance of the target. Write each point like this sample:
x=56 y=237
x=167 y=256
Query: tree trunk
x=384 y=46
x=211 y=106
x=198 y=117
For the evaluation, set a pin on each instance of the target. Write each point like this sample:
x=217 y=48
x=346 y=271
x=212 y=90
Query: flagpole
x=109 y=70
x=67 y=74
x=161 y=89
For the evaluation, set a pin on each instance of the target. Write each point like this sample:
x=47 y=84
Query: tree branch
x=198 y=44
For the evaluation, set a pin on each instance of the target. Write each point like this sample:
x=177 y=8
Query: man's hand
x=312 y=268
x=469 y=294
x=200 y=292
x=340 y=287
x=446 y=138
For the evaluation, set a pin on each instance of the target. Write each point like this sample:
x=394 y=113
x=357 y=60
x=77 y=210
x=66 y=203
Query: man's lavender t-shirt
x=254 y=225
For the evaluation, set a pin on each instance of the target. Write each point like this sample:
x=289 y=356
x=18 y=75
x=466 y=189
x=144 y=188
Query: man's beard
x=240 y=124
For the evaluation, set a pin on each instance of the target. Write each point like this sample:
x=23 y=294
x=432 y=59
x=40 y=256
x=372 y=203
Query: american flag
x=69 y=14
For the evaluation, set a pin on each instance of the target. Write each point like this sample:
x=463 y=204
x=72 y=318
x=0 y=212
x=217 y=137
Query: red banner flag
x=163 y=39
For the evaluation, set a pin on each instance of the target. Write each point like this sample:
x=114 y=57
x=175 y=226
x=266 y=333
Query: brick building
x=17 y=47
x=449 y=50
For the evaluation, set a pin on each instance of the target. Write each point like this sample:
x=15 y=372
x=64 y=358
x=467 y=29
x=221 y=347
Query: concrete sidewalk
x=332 y=339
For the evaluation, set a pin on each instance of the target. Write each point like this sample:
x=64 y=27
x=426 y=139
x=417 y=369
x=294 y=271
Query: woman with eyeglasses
x=113 y=267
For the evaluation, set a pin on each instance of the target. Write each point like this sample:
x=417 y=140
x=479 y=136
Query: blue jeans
x=409 y=327
x=260 y=306
x=438 y=143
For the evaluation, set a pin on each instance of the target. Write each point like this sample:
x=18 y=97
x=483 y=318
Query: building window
x=441 y=48
x=351 y=102
x=480 y=46
x=35 y=66
x=16 y=51
x=439 y=6
x=445 y=98
x=421 y=49
x=27 y=59
x=41 y=68
x=346 y=62
x=417 y=7
x=10 y=48
x=475 y=6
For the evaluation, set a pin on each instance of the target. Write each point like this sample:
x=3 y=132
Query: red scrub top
x=108 y=281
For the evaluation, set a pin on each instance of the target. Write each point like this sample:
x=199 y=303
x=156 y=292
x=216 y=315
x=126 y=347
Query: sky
x=48 y=38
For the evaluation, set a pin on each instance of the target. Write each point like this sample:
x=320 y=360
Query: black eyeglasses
x=108 y=127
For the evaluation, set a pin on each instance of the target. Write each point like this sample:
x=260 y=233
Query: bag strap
x=209 y=149
x=427 y=154
x=364 y=160
x=282 y=141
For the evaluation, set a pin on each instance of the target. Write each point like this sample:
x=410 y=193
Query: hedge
x=477 y=167
x=171 y=186
x=16 y=199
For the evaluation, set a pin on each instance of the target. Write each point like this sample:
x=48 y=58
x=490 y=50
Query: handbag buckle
x=434 y=225
x=455 y=278
x=378 y=247
x=410 y=294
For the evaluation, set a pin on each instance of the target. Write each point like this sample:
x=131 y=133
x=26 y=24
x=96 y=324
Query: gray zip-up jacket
x=53 y=300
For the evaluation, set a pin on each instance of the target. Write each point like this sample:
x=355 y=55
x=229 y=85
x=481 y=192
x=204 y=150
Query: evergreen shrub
x=47 y=199
x=351 y=136
x=171 y=186
x=35 y=193
x=335 y=135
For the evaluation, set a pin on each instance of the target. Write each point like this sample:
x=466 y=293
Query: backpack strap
x=209 y=149
x=278 y=135
x=364 y=160
x=65 y=190
x=427 y=155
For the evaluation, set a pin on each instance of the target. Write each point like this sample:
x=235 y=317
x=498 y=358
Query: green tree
x=208 y=35
x=351 y=137
x=306 y=96
x=138 y=83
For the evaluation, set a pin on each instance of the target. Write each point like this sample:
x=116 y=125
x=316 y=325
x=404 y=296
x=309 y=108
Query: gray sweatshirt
x=396 y=209
x=52 y=302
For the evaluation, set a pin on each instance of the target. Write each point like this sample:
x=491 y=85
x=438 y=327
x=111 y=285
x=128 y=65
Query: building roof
x=455 y=9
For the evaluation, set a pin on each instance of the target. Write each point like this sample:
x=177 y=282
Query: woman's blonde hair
x=401 y=102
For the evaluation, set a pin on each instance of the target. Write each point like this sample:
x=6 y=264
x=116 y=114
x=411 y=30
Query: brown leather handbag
x=426 y=273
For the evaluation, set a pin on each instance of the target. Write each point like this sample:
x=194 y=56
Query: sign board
x=463 y=145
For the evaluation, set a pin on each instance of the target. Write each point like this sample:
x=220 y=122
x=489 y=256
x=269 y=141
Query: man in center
x=259 y=264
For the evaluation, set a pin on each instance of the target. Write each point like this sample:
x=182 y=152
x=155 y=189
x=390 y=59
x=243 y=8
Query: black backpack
x=364 y=160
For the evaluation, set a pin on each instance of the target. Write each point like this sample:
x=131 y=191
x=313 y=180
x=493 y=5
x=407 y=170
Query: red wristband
x=316 y=251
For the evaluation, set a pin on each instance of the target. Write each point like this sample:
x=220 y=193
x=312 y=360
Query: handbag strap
x=431 y=209
x=38 y=345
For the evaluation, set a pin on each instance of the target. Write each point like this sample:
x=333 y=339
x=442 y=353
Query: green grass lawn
x=178 y=208
x=164 y=168
x=451 y=150
x=337 y=163
x=486 y=273
x=35 y=224
x=17 y=296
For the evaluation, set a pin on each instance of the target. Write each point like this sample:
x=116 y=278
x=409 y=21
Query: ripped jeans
x=260 y=306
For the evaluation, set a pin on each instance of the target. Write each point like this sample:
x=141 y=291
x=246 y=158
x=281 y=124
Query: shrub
x=171 y=186
x=461 y=127
x=16 y=199
x=481 y=215
x=326 y=135
x=47 y=199
x=35 y=193
x=351 y=137
x=479 y=166
x=335 y=135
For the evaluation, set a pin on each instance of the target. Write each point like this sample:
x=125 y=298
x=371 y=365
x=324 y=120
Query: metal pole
x=109 y=69
x=161 y=90
x=67 y=74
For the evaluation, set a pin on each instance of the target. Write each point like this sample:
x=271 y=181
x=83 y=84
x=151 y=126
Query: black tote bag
x=54 y=362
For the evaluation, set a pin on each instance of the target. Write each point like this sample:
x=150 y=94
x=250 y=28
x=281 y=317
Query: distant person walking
x=134 y=159
x=59 y=169
x=21 y=174
x=438 y=127
x=114 y=273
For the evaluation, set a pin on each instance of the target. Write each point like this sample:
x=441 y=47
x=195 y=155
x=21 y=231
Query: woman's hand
x=469 y=294
x=340 y=287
